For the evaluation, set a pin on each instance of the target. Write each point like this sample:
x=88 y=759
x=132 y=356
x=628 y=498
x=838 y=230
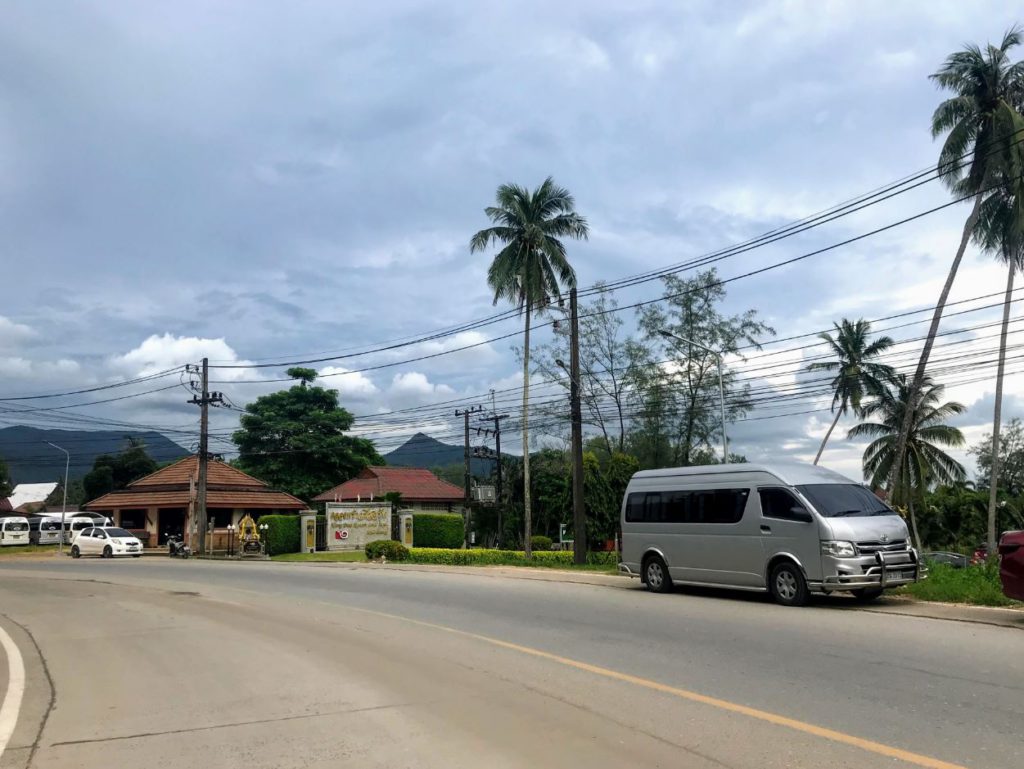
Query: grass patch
x=977 y=585
x=24 y=549
x=352 y=556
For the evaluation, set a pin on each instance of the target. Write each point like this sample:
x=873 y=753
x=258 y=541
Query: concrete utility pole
x=496 y=456
x=464 y=413
x=203 y=401
x=579 y=511
x=64 y=505
x=721 y=387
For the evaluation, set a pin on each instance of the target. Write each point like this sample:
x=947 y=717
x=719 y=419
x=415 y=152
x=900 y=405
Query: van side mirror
x=800 y=513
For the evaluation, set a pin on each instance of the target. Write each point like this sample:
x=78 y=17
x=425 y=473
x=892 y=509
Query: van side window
x=711 y=506
x=778 y=503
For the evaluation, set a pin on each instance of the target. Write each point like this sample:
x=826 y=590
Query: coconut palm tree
x=856 y=372
x=981 y=128
x=530 y=271
x=924 y=463
x=1000 y=231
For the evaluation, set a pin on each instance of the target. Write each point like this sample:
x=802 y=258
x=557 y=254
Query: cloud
x=14 y=335
x=354 y=386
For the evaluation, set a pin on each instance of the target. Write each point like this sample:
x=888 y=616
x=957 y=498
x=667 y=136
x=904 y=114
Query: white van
x=44 y=530
x=73 y=525
x=13 y=530
x=790 y=529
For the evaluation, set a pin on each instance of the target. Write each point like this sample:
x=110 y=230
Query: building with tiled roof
x=161 y=503
x=420 y=489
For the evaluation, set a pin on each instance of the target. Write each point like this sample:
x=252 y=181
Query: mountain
x=423 y=451
x=30 y=460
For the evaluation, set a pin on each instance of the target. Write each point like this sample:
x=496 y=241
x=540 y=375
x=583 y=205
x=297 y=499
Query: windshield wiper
x=843 y=513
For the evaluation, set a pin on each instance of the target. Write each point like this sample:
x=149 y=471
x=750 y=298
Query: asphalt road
x=161 y=663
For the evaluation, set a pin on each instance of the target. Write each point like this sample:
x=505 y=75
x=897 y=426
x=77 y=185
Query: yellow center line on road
x=732 y=707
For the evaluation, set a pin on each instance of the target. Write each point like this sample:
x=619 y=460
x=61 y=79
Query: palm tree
x=923 y=463
x=530 y=270
x=856 y=373
x=981 y=128
x=1000 y=230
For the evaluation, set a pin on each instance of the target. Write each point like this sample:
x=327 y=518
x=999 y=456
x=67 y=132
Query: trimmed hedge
x=283 y=536
x=393 y=551
x=444 y=530
x=540 y=543
x=482 y=557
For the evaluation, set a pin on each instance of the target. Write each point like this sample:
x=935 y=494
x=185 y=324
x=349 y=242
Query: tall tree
x=111 y=472
x=5 y=480
x=530 y=270
x=607 y=356
x=687 y=375
x=981 y=128
x=856 y=373
x=296 y=440
x=1009 y=465
x=1000 y=231
x=924 y=464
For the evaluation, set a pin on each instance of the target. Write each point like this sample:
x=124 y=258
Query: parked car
x=956 y=560
x=44 y=531
x=105 y=541
x=13 y=530
x=1011 y=564
x=788 y=529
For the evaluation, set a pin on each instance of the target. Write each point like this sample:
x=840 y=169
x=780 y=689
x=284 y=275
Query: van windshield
x=15 y=526
x=838 y=500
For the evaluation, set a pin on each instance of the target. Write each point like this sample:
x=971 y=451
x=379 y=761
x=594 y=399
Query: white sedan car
x=105 y=541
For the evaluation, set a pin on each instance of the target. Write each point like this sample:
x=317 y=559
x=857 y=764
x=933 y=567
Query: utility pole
x=464 y=413
x=579 y=512
x=495 y=417
x=203 y=400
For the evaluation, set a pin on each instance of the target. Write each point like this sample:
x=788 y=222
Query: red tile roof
x=226 y=486
x=413 y=483
x=5 y=505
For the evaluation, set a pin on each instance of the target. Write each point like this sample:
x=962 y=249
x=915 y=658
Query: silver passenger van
x=789 y=528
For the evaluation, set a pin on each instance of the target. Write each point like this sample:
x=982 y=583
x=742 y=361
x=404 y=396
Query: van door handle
x=766 y=529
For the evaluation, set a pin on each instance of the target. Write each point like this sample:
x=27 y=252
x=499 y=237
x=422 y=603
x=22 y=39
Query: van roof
x=790 y=473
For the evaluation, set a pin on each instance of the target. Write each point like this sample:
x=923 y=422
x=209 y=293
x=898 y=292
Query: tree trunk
x=828 y=435
x=993 y=479
x=913 y=522
x=527 y=517
x=922 y=364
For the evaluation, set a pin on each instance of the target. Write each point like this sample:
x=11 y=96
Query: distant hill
x=30 y=460
x=423 y=451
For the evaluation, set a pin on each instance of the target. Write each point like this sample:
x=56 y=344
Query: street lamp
x=64 y=505
x=231 y=539
x=263 y=537
x=721 y=388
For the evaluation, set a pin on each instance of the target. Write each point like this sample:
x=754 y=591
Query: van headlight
x=839 y=548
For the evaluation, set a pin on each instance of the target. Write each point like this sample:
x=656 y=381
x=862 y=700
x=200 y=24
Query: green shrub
x=482 y=557
x=283 y=534
x=438 y=530
x=393 y=551
x=978 y=585
x=540 y=542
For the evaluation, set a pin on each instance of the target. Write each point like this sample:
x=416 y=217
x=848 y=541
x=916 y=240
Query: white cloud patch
x=14 y=335
x=353 y=385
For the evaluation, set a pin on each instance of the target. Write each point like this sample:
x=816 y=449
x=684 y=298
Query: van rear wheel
x=787 y=584
x=656 y=575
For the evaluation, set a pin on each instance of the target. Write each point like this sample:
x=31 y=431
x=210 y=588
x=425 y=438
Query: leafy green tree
x=924 y=464
x=530 y=270
x=76 y=495
x=855 y=372
x=678 y=396
x=604 y=484
x=112 y=472
x=6 y=487
x=295 y=439
x=1010 y=463
x=982 y=129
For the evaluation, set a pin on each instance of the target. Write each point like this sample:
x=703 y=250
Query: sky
x=264 y=182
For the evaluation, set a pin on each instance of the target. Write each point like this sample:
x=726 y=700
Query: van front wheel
x=787 y=584
x=656 y=575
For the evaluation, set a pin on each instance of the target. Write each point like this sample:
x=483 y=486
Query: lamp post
x=231 y=539
x=263 y=538
x=64 y=504
x=721 y=387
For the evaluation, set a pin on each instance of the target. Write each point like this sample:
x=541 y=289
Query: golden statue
x=247 y=531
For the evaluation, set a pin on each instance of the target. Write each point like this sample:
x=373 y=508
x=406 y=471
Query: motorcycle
x=176 y=547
